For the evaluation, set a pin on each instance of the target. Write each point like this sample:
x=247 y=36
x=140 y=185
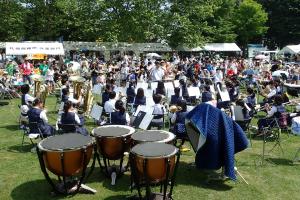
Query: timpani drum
x=65 y=156
x=153 y=163
x=158 y=136
x=112 y=142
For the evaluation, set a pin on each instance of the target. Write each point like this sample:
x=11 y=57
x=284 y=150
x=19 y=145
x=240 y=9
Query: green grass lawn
x=21 y=177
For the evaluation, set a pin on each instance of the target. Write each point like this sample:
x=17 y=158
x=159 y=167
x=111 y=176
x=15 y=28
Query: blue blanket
x=223 y=138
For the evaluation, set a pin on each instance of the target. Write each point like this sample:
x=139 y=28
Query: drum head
x=154 y=150
x=113 y=131
x=68 y=141
x=152 y=136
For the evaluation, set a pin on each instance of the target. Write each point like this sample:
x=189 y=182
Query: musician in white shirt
x=109 y=105
x=158 y=112
x=157 y=73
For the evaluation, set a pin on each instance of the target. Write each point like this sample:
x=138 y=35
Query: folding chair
x=275 y=131
x=67 y=128
x=238 y=117
x=27 y=127
x=158 y=125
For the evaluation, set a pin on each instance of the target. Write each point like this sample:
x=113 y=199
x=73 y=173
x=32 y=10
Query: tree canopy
x=176 y=22
x=284 y=22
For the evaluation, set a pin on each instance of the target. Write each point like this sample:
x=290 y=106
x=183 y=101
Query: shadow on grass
x=122 y=183
x=118 y=197
x=25 y=148
x=13 y=127
x=188 y=174
x=281 y=161
x=38 y=189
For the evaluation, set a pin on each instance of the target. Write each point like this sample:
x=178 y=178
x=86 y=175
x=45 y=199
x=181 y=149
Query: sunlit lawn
x=21 y=177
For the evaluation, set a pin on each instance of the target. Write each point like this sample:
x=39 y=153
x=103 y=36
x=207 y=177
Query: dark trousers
x=27 y=77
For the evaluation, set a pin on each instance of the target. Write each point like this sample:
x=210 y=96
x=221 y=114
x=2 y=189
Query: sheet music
x=143 y=85
x=223 y=94
x=146 y=121
x=169 y=89
x=96 y=112
x=148 y=93
x=176 y=83
x=154 y=85
x=138 y=109
x=194 y=92
x=149 y=101
x=120 y=89
x=170 y=93
x=238 y=113
x=169 y=86
x=144 y=108
x=97 y=89
x=189 y=108
x=212 y=89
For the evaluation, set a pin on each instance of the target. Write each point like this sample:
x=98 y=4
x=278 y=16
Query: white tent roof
x=291 y=49
x=221 y=47
x=24 y=48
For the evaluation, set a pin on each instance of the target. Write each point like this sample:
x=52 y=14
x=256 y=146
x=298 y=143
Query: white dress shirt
x=157 y=74
x=109 y=105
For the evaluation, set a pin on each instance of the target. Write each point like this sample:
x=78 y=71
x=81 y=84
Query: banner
x=36 y=56
x=24 y=48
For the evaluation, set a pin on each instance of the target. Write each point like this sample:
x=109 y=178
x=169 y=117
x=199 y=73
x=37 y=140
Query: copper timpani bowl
x=71 y=147
x=113 y=140
x=152 y=159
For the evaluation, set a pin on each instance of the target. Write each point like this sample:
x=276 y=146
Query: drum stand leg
x=96 y=157
x=167 y=160
x=134 y=179
x=174 y=174
x=105 y=165
x=43 y=168
x=63 y=171
x=148 y=191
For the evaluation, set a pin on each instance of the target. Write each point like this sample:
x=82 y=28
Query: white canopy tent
x=221 y=47
x=290 y=49
x=25 y=48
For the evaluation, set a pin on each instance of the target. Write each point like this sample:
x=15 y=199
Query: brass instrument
x=43 y=93
x=38 y=79
x=174 y=109
x=78 y=83
x=88 y=98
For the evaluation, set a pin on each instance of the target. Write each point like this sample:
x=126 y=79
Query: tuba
x=38 y=79
x=43 y=93
x=88 y=98
x=78 y=83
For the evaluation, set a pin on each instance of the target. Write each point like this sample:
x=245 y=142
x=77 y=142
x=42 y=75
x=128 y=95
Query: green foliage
x=250 y=19
x=12 y=23
x=188 y=23
x=284 y=22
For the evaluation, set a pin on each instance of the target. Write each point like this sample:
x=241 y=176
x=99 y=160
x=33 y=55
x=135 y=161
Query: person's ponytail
x=67 y=106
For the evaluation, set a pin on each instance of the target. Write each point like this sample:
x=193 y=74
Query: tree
x=250 y=20
x=187 y=23
x=222 y=21
x=284 y=22
x=12 y=23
